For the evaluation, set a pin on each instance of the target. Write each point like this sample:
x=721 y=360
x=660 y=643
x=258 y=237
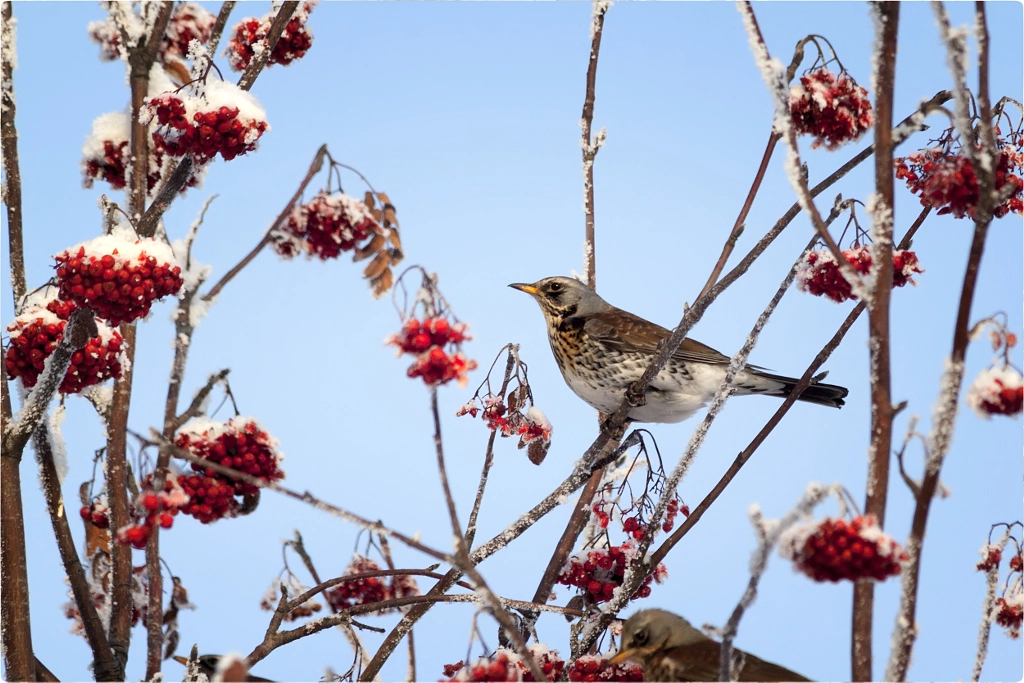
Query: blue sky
x=467 y=115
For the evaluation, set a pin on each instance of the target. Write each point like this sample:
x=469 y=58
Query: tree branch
x=12 y=168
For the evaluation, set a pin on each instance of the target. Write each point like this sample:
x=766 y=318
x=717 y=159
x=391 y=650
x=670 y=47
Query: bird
x=208 y=665
x=669 y=648
x=601 y=350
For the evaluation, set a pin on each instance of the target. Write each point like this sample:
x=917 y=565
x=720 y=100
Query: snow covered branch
x=9 y=146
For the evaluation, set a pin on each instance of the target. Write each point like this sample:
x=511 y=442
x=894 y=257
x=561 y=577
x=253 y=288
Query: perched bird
x=208 y=665
x=601 y=350
x=669 y=648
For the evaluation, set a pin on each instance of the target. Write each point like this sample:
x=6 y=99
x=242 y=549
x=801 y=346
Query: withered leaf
x=537 y=450
x=370 y=248
x=96 y=539
x=368 y=199
x=377 y=265
x=395 y=239
x=513 y=400
x=383 y=198
x=377 y=215
x=389 y=215
x=383 y=283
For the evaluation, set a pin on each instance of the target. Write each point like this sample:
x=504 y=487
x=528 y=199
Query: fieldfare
x=669 y=648
x=208 y=665
x=601 y=350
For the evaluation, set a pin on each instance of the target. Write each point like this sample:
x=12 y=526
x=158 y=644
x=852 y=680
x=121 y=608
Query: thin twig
x=260 y=57
x=590 y=147
x=218 y=26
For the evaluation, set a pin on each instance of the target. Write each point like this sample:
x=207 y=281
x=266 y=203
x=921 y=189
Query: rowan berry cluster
x=944 y=178
x=188 y=22
x=224 y=120
x=105 y=155
x=597 y=668
x=97 y=513
x=997 y=391
x=1009 y=613
x=241 y=444
x=152 y=509
x=530 y=424
x=325 y=227
x=836 y=549
x=832 y=108
x=117 y=278
x=819 y=274
x=427 y=341
x=100 y=594
x=600 y=571
x=371 y=589
x=293 y=44
x=37 y=330
x=507 y=665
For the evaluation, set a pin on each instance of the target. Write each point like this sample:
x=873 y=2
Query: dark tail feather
x=822 y=394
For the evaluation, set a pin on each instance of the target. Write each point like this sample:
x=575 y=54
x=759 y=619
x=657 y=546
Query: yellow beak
x=623 y=655
x=529 y=289
x=180 y=660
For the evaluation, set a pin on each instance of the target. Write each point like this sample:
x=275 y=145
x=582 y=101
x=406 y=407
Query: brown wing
x=629 y=332
x=700 y=662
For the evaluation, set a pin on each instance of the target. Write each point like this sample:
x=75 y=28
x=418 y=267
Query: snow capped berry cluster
x=105 y=155
x=295 y=40
x=819 y=274
x=836 y=549
x=152 y=509
x=427 y=340
x=325 y=226
x=507 y=665
x=600 y=571
x=37 y=330
x=223 y=120
x=997 y=391
x=944 y=178
x=597 y=668
x=368 y=590
x=515 y=419
x=295 y=588
x=1008 y=612
x=834 y=109
x=97 y=513
x=117 y=276
x=241 y=444
x=188 y=22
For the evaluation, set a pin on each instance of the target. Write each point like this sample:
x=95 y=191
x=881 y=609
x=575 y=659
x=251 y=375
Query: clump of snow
x=994 y=391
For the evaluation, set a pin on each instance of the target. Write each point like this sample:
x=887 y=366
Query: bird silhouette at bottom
x=669 y=648
x=208 y=665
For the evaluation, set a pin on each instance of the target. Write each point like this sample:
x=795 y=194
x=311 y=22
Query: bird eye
x=555 y=287
x=640 y=637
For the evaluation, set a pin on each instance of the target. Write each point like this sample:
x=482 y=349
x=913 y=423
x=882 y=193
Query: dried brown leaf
x=368 y=199
x=389 y=215
x=96 y=539
x=395 y=239
x=383 y=198
x=513 y=401
x=537 y=450
x=375 y=244
x=377 y=215
x=383 y=283
x=177 y=72
x=377 y=265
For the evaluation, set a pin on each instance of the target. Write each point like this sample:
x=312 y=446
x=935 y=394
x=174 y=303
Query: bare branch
x=590 y=147
x=260 y=57
x=12 y=167
x=218 y=26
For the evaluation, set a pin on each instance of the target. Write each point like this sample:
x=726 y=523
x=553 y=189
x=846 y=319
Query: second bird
x=601 y=350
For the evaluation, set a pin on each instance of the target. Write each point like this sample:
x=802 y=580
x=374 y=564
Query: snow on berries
x=241 y=444
x=505 y=664
x=598 y=668
x=188 y=22
x=325 y=226
x=105 y=34
x=99 y=582
x=996 y=391
x=293 y=44
x=598 y=572
x=819 y=274
x=836 y=549
x=944 y=177
x=371 y=589
x=1008 y=612
x=35 y=333
x=153 y=509
x=97 y=513
x=117 y=276
x=427 y=340
x=221 y=119
x=832 y=108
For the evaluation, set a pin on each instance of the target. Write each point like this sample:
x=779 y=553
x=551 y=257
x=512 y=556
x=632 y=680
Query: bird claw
x=635 y=396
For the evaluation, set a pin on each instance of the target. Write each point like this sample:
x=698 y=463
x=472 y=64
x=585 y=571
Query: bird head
x=650 y=632
x=563 y=297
